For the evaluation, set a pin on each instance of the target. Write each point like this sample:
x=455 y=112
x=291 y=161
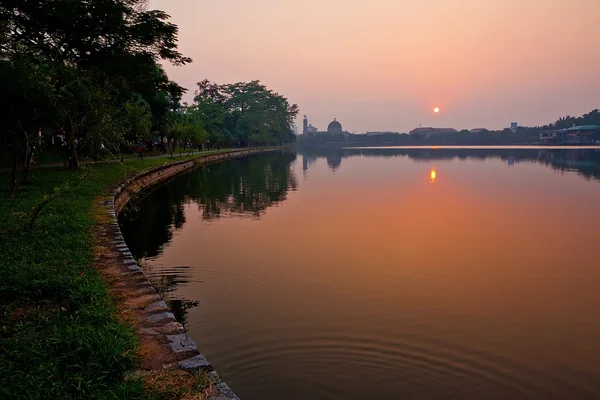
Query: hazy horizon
x=385 y=64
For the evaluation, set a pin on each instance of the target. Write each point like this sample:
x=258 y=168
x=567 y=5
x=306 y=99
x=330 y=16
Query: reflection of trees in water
x=245 y=187
x=166 y=280
x=179 y=307
x=584 y=161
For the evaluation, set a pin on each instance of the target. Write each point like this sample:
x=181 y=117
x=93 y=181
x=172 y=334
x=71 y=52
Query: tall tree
x=245 y=113
x=25 y=106
x=113 y=44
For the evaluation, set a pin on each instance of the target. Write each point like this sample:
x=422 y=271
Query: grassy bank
x=59 y=334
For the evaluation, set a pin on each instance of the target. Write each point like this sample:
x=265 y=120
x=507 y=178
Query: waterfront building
x=582 y=134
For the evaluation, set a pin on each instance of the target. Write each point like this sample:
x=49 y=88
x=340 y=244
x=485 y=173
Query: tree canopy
x=88 y=69
x=89 y=72
x=243 y=113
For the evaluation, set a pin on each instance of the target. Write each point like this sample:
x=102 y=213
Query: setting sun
x=433 y=174
x=436 y=110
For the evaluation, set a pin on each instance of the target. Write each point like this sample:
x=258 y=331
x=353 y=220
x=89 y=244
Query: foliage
x=88 y=68
x=137 y=119
x=186 y=130
x=243 y=114
x=591 y=118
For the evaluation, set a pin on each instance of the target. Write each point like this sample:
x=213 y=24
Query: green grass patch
x=59 y=335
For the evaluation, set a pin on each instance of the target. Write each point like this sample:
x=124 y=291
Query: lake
x=385 y=273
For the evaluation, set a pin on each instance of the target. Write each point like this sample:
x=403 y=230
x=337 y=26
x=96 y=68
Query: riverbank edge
x=163 y=344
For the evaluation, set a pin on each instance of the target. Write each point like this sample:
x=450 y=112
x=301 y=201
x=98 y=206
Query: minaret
x=305 y=125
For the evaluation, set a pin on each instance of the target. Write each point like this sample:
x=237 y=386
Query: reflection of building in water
x=306 y=161
x=567 y=159
x=334 y=160
x=511 y=161
x=333 y=157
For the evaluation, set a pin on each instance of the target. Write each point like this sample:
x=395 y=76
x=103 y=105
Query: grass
x=168 y=385
x=59 y=334
x=54 y=158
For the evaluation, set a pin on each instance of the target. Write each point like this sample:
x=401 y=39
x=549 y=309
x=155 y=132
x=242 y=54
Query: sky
x=383 y=65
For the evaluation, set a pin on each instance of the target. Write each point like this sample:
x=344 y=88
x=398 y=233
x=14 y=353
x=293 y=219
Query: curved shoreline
x=163 y=344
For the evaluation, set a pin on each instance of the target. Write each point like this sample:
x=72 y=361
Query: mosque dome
x=334 y=127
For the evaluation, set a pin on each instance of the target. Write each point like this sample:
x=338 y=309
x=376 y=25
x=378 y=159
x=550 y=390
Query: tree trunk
x=26 y=165
x=27 y=160
x=73 y=160
x=13 y=178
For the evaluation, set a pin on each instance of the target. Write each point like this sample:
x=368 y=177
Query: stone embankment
x=164 y=346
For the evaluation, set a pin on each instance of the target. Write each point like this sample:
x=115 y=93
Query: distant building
x=308 y=127
x=429 y=131
x=478 y=130
x=582 y=134
x=334 y=127
x=513 y=127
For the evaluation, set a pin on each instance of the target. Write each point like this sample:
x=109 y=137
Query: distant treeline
x=523 y=135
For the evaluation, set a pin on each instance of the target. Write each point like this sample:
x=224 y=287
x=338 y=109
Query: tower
x=305 y=125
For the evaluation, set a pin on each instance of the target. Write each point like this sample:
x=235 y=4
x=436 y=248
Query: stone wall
x=153 y=176
x=156 y=326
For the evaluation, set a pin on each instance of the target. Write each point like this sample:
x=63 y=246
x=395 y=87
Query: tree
x=113 y=45
x=137 y=120
x=25 y=106
x=185 y=128
x=244 y=113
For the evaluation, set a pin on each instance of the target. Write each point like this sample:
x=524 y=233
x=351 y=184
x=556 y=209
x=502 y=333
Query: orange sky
x=384 y=64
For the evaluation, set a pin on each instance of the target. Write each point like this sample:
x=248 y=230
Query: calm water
x=388 y=274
